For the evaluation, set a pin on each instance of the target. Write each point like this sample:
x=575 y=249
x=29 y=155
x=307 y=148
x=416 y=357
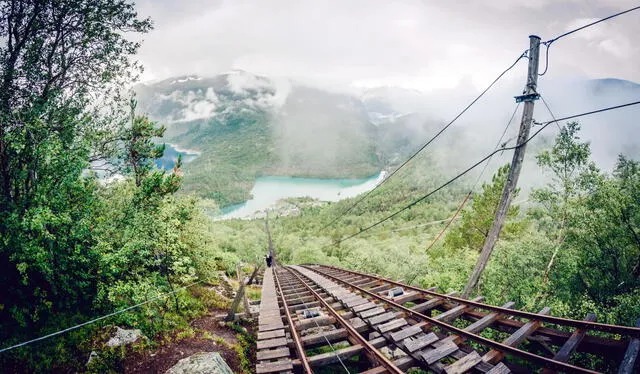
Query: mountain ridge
x=247 y=125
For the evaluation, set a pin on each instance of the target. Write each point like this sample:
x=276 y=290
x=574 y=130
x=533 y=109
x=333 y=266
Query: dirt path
x=210 y=336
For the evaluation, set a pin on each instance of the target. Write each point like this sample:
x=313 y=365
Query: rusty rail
x=294 y=334
x=613 y=329
x=373 y=352
x=544 y=361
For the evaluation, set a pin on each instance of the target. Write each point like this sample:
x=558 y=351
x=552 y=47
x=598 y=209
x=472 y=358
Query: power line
x=435 y=240
x=544 y=125
x=498 y=144
x=404 y=228
x=98 y=319
x=343 y=213
x=548 y=43
x=550 y=112
x=466 y=198
x=589 y=25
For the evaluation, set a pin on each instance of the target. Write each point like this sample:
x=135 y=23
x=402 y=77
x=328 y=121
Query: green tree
x=571 y=171
x=139 y=150
x=475 y=223
x=57 y=58
x=603 y=231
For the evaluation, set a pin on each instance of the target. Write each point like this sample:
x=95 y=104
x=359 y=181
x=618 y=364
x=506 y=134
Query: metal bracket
x=529 y=97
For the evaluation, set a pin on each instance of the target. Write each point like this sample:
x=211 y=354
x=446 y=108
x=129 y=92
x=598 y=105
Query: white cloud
x=419 y=44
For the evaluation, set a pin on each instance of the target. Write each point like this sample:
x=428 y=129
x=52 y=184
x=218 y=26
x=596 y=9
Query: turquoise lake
x=268 y=190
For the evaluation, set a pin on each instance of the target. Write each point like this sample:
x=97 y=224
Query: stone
x=392 y=354
x=124 y=337
x=201 y=363
x=92 y=356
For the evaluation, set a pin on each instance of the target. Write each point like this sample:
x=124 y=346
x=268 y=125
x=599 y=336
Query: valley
x=153 y=196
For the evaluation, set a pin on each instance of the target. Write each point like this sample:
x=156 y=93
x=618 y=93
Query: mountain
x=244 y=126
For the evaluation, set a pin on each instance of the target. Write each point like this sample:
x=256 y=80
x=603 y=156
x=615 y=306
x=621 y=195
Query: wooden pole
x=239 y=297
x=254 y=273
x=514 y=171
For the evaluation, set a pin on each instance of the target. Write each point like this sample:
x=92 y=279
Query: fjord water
x=170 y=156
x=268 y=190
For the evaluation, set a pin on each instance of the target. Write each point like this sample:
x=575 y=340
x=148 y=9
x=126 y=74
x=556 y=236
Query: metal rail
x=614 y=329
x=379 y=357
x=296 y=338
x=544 y=361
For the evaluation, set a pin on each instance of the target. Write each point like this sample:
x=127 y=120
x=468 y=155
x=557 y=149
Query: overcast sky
x=424 y=45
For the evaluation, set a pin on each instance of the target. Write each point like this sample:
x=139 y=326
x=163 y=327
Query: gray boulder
x=123 y=337
x=201 y=363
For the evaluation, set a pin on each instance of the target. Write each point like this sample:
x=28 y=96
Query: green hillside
x=242 y=132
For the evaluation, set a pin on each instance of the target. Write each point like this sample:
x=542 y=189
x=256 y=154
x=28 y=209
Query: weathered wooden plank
x=378 y=342
x=358 y=324
x=629 y=362
x=427 y=305
x=430 y=304
x=408 y=296
x=382 y=318
x=381 y=288
x=414 y=344
x=369 y=284
x=271 y=343
x=405 y=363
x=499 y=369
x=363 y=307
x=464 y=364
x=516 y=338
x=356 y=302
x=274 y=367
x=270 y=354
x=320 y=337
x=487 y=320
x=332 y=357
x=271 y=334
x=314 y=322
x=372 y=312
x=392 y=325
x=572 y=343
x=407 y=332
x=438 y=353
x=269 y=320
x=455 y=312
x=264 y=328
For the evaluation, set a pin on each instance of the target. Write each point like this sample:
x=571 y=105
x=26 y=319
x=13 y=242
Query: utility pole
x=530 y=95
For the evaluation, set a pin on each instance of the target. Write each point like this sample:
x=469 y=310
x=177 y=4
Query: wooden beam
x=332 y=357
x=516 y=338
x=464 y=364
x=487 y=320
x=629 y=362
x=571 y=344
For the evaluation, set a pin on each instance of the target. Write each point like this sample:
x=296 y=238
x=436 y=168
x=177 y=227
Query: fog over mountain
x=250 y=125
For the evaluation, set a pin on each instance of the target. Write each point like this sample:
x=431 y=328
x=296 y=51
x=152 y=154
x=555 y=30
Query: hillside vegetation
x=244 y=129
x=73 y=246
x=573 y=247
x=83 y=251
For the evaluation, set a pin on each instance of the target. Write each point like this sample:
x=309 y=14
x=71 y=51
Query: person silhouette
x=268 y=259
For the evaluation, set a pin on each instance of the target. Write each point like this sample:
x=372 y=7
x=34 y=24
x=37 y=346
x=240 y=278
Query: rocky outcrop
x=124 y=337
x=201 y=363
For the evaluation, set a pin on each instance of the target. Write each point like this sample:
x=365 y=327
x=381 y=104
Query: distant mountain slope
x=246 y=125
